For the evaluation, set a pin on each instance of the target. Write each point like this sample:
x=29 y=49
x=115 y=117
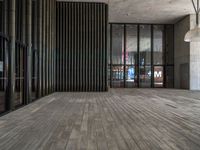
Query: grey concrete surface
x=194 y=60
x=146 y=11
x=186 y=54
x=181 y=54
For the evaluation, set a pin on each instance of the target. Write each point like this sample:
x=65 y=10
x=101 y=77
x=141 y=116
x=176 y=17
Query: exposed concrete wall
x=194 y=60
x=181 y=54
x=187 y=56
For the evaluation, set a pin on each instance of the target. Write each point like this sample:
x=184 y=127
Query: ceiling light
x=194 y=34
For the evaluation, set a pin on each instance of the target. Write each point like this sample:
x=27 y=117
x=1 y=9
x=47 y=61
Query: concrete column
x=181 y=54
x=194 y=57
x=187 y=56
x=11 y=54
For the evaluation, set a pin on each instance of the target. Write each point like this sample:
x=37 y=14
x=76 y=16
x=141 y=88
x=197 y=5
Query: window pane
x=158 y=45
x=145 y=45
x=118 y=44
x=19 y=74
x=108 y=43
x=118 y=76
x=169 y=44
x=145 y=76
x=169 y=76
x=34 y=74
x=131 y=76
x=131 y=44
x=1 y=16
x=2 y=74
x=108 y=75
x=145 y=56
x=158 y=76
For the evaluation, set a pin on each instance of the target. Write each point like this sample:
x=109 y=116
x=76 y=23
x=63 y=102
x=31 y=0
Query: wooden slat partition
x=81 y=54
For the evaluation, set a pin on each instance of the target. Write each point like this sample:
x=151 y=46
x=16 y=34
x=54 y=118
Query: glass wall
x=158 y=54
x=117 y=56
x=145 y=55
x=131 y=56
x=169 y=56
x=141 y=55
x=3 y=72
x=3 y=59
x=15 y=49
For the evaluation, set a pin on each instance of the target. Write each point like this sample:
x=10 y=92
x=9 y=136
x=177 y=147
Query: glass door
x=131 y=56
x=117 y=56
x=158 y=55
x=145 y=56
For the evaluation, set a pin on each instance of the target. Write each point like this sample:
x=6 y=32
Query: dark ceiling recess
x=81 y=46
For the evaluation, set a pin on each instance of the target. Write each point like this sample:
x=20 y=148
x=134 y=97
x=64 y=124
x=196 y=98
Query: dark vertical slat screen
x=81 y=54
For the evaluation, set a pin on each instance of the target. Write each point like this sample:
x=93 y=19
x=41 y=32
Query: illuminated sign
x=158 y=74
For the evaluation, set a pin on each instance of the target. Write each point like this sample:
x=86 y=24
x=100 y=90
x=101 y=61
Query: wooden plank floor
x=121 y=119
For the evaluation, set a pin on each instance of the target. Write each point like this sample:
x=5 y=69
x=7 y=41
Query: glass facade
x=3 y=72
x=3 y=60
x=17 y=69
x=118 y=55
x=158 y=54
x=131 y=56
x=141 y=55
x=145 y=56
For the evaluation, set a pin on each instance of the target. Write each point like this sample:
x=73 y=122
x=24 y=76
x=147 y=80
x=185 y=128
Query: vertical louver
x=81 y=54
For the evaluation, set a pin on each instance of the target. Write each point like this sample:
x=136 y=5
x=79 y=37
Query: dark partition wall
x=81 y=54
x=3 y=55
x=27 y=51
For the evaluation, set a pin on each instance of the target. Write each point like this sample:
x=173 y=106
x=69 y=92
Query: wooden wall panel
x=81 y=54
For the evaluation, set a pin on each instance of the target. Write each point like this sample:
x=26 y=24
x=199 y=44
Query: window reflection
x=3 y=60
x=145 y=45
x=131 y=44
x=158 y=76
x=158 y=45
x=145 y=56
x=118 y=76
x=131 y=56
x=3 y=74
x=145 y=76
x=19 y=74
x=147 y=65
x=131 y=76
x=118 y=44
x=169 y=77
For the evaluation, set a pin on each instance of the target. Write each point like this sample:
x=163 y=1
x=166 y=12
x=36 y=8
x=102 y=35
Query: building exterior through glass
x=141 y=55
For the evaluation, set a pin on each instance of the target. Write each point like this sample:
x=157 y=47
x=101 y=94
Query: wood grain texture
x=121 y=119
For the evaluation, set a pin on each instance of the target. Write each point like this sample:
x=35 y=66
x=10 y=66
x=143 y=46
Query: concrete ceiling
x=146 y=11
